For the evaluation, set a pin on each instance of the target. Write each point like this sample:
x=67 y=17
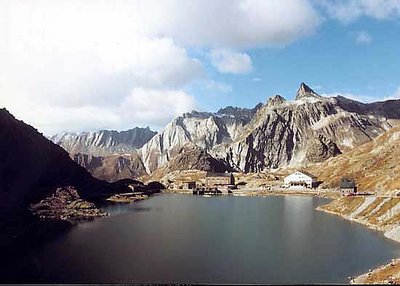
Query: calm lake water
x=190 y=239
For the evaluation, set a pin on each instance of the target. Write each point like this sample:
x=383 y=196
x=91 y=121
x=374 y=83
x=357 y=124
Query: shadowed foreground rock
x=65 y=204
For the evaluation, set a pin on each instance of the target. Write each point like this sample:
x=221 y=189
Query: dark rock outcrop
x=65 y=204
x=194 y=158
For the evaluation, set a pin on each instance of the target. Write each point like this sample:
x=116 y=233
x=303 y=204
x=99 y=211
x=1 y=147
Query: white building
x=301 y=178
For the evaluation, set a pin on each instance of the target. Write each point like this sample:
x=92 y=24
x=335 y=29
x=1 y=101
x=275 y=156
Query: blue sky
x=331 y=61
x=75 y=65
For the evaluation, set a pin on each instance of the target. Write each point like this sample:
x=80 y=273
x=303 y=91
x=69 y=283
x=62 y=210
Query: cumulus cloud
x=139 y=105
x=231 y=62
x=142 y=107
x=230 y=23
x=363 y=38
x=350 y=10
x=68 y=65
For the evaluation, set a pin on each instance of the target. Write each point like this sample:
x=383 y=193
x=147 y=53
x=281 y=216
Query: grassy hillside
x=374 y=165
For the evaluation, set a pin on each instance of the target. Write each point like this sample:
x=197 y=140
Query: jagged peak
x=305 y=91
x=196 y=114
x=275 y=100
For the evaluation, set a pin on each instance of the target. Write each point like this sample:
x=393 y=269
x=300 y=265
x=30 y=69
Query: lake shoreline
x=364 y=278
x=384 y=274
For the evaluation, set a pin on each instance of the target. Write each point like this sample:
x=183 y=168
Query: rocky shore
x=65 y=205
x=378 y=213
x=127 y=198
x=386 y=274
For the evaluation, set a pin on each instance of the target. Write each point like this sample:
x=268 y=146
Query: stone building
x=348 y=186
x=215 y=180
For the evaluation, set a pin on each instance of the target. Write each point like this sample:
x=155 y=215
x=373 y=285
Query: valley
x=329 y=137
x=200 y=142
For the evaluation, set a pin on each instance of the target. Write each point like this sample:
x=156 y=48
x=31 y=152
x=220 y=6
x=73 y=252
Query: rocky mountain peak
x=238 y=112
x=275 y=100
x=305 y=91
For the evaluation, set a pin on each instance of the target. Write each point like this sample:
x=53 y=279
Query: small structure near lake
x=348 y=186
x=301 y=179
x=216 y=183
x=218 y=180
x=189 y=185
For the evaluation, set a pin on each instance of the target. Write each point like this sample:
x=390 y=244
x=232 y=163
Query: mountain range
x=279 y=133
x=104 y=142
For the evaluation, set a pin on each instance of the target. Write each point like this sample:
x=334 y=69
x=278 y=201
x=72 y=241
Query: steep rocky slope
x=104 y=142
x=204 y=129
x=111 y=168
x=389 y=109
x=280 y=133
x=311 y=128
x=374 y=165
x=31 y=166
x=194 y=158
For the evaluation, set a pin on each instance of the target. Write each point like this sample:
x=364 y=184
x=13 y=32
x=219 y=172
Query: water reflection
x=298 y=218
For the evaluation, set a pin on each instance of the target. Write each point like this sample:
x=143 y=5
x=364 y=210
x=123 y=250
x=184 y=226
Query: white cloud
x=142 y=107
x=70 y=64
x=231 y=62
x=350 y=10
x=154 y=106
x=363 y=38
x=229 y=23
